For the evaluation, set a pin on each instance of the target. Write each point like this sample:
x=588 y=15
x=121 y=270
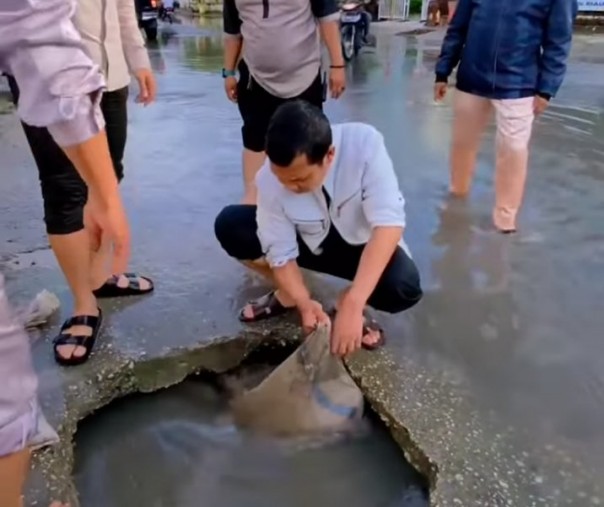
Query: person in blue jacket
x=512 y=59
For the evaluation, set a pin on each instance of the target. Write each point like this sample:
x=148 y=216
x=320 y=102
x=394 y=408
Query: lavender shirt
x=60 y=89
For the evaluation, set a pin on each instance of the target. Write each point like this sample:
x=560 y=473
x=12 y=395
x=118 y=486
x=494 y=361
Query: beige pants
x=514 y=119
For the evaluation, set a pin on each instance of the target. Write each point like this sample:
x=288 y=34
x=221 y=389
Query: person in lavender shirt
x=61 y=90
x=112 y=39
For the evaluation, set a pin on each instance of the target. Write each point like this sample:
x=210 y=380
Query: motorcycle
x=166 y=14
x=147 y=12
x=352 y=29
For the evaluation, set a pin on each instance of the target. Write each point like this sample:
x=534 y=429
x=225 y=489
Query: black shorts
x=257 y=105
x=63 y=191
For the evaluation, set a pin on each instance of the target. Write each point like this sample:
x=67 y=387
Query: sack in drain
x=310 y=392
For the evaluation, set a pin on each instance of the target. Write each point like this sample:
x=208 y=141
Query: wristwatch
x=228 y=73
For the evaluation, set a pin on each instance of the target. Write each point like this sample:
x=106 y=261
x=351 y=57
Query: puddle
x=179 y=448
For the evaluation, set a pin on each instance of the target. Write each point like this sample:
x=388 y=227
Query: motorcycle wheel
x=348 y=49
x=151 y=33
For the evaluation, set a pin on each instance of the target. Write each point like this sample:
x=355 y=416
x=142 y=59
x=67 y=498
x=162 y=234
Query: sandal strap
x=372 y=325
x=133 y=281
x=90 y=321
x=69 y=339
x=266 y=304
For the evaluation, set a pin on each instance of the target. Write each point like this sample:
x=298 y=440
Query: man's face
x=301 y=176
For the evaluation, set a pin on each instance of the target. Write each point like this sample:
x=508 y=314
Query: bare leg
x=471 y=114
x=73 y=255
x=252 y=162
x=514 y=127
x=13 y=471
x=101 y=258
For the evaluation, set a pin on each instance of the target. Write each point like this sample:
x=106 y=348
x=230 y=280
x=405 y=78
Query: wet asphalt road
x=515 y=323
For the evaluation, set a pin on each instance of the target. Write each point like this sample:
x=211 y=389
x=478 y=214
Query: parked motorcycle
x=147 y=12
x=353 y=21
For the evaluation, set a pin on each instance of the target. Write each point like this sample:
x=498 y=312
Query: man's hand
x=347 y=333
x=440 y=91
x=337 y=81
x=313 y=316
x=230 y=88
x=110 y=220
x=146 y=86
x=540 y=105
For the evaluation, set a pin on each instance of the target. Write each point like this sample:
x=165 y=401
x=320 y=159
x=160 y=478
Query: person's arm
x=61 y=89
x=132 y=39
x=454 y=41
x=280 y=246
x=233 y=42
x=327 y=13
x=384 y=208
x=556 y=45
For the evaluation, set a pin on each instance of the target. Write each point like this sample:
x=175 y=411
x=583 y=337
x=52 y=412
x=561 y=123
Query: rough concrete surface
x=493 y=385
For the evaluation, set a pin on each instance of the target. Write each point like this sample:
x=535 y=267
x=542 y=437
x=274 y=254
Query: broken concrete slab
x=466 y=459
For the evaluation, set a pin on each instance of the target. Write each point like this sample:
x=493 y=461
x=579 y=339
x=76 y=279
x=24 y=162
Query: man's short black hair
x=298 y=128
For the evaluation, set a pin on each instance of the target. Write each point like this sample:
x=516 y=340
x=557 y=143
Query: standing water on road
x=179 y=448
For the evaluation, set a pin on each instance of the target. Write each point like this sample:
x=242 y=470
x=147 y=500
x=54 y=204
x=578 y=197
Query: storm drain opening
x=182 y=447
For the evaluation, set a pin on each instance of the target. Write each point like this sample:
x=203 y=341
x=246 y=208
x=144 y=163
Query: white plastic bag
x=39 y=311
x=310 y=392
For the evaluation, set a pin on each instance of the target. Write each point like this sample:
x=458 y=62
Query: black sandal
x=264 y=307
x=111 y=289
x=86 y=342
x=369 y=325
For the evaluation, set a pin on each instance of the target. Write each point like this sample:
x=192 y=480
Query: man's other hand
x=337 y=82
x=147 y=87
x=347 y=332
x=540 y=105
x=111 y=221
x=313 y=316
x=440 y=91
x=230 y=88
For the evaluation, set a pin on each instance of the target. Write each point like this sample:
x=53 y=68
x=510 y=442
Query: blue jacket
x=508 y=49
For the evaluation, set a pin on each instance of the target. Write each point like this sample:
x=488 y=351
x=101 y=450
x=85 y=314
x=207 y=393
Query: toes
x=70 y=351
x=372 y=337
x=145 y=284
x=66 y=351
x=122 y=282
x=248 y=311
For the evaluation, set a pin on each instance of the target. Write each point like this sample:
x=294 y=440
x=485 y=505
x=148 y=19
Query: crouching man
x=328 y=201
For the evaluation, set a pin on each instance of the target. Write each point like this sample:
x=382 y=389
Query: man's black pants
x=63 y=191
x=257 y=106
x=397 y=290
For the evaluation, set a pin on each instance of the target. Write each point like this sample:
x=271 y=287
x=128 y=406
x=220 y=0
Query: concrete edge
x=51 y=476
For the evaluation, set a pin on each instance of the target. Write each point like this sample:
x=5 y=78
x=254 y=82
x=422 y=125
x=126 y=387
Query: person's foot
x=126 y=284
x=372 y=338
x=273 y=304
x=76 y=339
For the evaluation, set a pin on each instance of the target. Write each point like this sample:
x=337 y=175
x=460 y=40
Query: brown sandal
x=265 y=307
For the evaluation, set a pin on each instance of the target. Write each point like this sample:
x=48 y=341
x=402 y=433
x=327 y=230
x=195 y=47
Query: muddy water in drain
x=179 y=448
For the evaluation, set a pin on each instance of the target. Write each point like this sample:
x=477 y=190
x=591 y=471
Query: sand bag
x=310 y=392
